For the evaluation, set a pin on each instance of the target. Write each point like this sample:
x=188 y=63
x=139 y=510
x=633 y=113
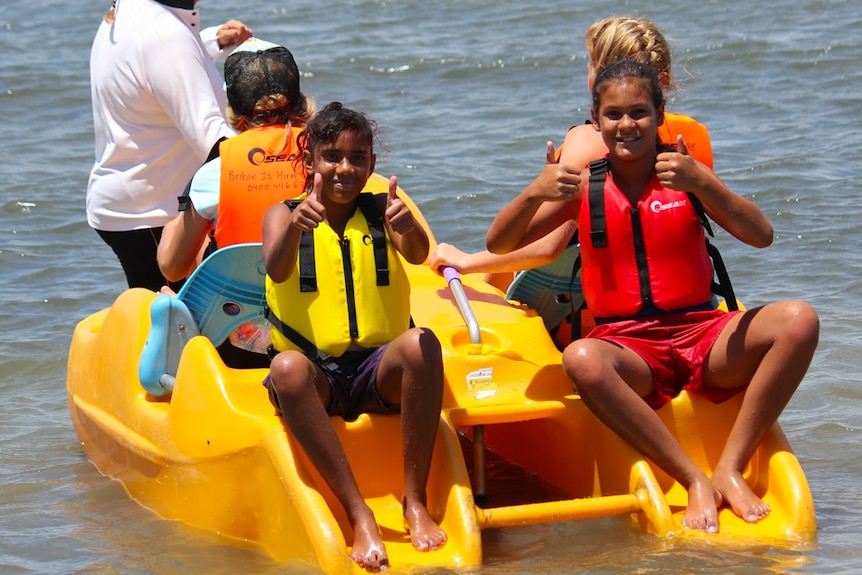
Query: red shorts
x=675 y=347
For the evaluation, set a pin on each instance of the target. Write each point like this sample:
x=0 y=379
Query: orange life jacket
x=259 y=167
x=694 y=134
x=649 y=255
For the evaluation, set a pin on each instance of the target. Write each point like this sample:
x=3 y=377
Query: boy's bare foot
x=738 y=494
x=702 y=511
x=368 y=551
x=425 y=534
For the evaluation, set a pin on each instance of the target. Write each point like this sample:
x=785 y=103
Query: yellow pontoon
x=204 y=445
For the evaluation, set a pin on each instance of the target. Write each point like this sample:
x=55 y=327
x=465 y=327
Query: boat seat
x=225 y=291
x=549 y=289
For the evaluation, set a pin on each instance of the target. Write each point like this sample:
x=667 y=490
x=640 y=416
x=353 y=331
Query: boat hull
x=214 y=454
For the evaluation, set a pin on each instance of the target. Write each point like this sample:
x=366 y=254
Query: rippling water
x=467 y=92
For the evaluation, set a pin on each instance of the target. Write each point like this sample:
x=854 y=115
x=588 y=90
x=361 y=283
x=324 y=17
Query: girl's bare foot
x=425 y=534
x=702 y=511
x=368 y=551
x=738 y=494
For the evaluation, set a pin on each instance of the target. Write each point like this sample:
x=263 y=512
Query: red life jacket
x=650 y=255
x=259 y=167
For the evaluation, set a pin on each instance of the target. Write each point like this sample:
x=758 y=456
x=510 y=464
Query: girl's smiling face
x=627 y=118
x=345 y=166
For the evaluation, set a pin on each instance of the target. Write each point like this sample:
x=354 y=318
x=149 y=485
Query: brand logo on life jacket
x=366 y=239
x=658 y=207
x=258 y=156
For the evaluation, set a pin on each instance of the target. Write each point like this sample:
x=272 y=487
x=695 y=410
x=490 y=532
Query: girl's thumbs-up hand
x=397 y=213
x=678 y=170
x=311 y=211
x=393 y=191
x=557 y=182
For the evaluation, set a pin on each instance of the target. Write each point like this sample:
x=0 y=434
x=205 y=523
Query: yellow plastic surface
x=216 y=456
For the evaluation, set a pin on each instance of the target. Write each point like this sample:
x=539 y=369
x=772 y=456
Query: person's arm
x=739 y=216
x=196 y=104
x=282 y=230
x=408 y=237
x=280 y=242
x=181 y=243
x=545 y=204
x=220 y=41
x=538 y=253
x=582 y=145
x=185 y=236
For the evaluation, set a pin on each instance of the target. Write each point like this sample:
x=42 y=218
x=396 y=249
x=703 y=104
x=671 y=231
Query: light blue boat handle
x=454 y=281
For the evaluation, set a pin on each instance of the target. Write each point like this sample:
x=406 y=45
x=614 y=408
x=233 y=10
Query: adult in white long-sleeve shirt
x=158 y=111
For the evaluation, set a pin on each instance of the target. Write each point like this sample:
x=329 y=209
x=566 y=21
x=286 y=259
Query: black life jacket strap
x=307 y=267
x=576 y=314
x=598 y=232
x=376 y=227
x=701 y=213
x=309 y=349
x=723 y=288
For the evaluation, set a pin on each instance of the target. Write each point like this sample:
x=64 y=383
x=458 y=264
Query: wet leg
x=303 y=391
x=411 y=373
x=611 y=380
x=772 y=348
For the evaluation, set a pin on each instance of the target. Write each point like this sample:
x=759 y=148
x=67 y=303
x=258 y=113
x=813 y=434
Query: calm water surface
x=467 y=92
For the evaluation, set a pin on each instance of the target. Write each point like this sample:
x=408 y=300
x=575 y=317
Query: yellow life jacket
x=346 y=296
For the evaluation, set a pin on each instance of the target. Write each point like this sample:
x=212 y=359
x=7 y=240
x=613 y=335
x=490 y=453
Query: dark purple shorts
x=352 y=385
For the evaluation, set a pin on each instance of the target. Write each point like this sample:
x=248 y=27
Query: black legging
x=136 y=250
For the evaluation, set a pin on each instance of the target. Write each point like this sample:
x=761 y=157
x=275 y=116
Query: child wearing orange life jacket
x=260 y=166
x=226 y=199
x=654 y=336
x=607 y=40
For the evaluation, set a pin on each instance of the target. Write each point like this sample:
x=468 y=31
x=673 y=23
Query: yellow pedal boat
x=211 y=452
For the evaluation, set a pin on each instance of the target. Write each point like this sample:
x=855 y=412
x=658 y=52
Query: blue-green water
x=467 y=93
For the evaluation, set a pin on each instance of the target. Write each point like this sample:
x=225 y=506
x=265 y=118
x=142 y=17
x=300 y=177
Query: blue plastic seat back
x=226 y=290
x=549 y=289
x=171 y=327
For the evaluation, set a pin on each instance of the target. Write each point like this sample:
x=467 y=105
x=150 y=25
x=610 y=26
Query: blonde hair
x=627 y=38
x=109 y=15
x=273 y=109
